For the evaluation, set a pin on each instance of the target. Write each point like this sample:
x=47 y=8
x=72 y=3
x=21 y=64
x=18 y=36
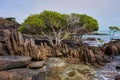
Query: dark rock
x=3 y=49
x=117 y=77
x=36 y=65
x=9 y=62
x=23 y=74
x=118 y=67
x=112 y=48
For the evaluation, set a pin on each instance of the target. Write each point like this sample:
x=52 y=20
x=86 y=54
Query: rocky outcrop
x=72 y=51
x=8 y=23
x=10 y=62
x=16 y=45
x=83 y=53
x=21 y=68
x=112 y=48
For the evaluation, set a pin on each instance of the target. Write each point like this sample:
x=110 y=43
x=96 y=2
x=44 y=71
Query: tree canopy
x=113 y=29
x=46 y=20
x=86 y=21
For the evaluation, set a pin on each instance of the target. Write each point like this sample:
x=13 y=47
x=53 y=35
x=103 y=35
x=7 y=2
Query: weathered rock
x=9 y=62
x=23 y=74
x=14 y=42
x=112 y=48
x=36 y=65
x=118 y=66
x=117 y=77
x=16 y=45
x=74 y=72
x=55 y=62
x=3 y=49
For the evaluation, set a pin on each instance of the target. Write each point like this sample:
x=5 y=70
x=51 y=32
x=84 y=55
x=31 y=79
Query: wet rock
x=55 y=62
x=78 y=72
x=9 y=62
x=117 y=77
x=23 y=74
x=36 y=65
x=118 y=66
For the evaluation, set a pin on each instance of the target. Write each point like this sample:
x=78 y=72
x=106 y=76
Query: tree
x=56 y=26
x=11 y=19
x=113 y=29
x=33 y=24
x=63 y=32
x=53 y=19
x=88 y=22
x=36 y=23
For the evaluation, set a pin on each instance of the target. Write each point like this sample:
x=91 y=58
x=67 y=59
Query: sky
x=107 y=12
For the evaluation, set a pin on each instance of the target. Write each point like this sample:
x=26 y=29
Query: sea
x=105 y=38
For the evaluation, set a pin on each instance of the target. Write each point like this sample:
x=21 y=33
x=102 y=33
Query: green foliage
x=113 y=29
x=32 y=24
x=53 y=19
x=34 y=21
x=46 y=20
x=43 y=21
x=88 y=22
x=11 y=19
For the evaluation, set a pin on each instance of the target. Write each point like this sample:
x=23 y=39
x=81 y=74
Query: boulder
x=118 y=66
x=117 y=77
x=52 y=63
x=112 y=48
x=23 y=74
x=10 y=62
x=36 y=65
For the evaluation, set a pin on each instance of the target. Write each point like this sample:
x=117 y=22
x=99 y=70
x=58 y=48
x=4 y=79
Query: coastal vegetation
x=52 y=41
x=56 y=26
x=113 y=30
x=36 y=23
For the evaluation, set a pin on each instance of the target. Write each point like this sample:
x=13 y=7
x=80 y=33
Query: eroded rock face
x=10 y=62
x=16 y=45
x=23 y=74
